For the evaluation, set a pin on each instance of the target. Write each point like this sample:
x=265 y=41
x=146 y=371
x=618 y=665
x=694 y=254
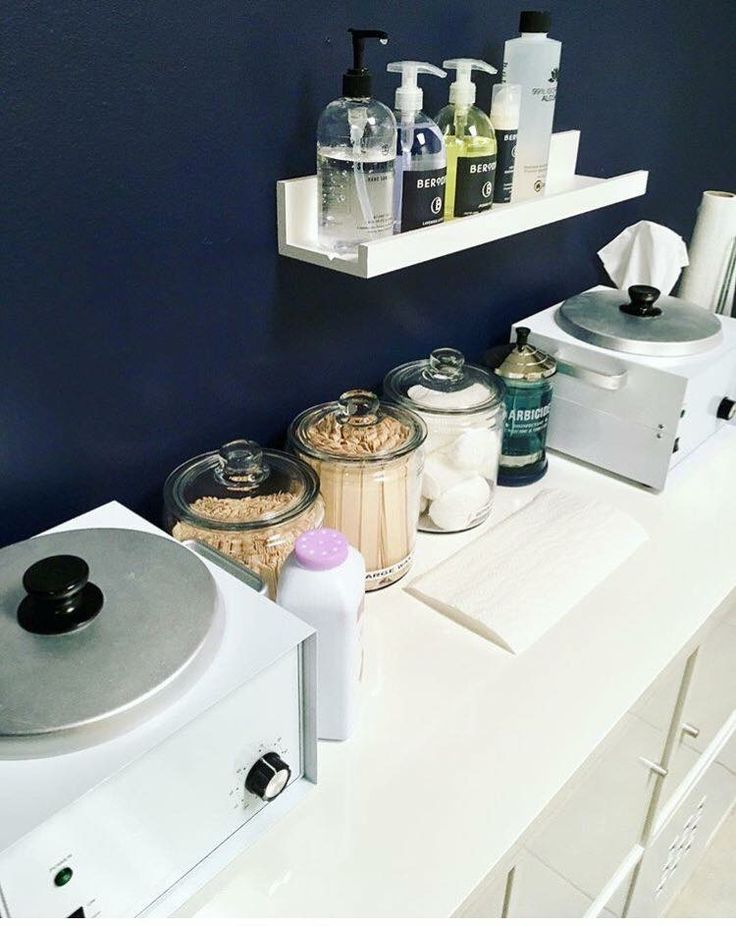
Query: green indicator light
x=63 y=876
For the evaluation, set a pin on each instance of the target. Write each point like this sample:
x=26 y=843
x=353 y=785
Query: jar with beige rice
x=246 y=502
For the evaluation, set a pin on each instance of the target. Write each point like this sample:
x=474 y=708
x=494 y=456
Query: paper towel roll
x=709 y=280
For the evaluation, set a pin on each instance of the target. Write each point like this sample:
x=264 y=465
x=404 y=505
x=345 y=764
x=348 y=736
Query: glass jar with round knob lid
x=248 y=503
x=368 y=455
x=463 y=408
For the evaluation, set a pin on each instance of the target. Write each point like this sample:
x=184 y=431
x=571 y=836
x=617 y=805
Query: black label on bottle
x=506 y=158
x=474 y=184
x=422 y=198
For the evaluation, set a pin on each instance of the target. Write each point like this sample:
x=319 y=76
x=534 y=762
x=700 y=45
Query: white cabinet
x=540 y=891
x=531 y=888
x=591 y=834
x=708 y=703
x=637 y=817
x=680 y=841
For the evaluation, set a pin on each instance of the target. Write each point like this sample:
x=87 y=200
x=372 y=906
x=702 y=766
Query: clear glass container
x=463 y=408
x=250 y=504
x=369 y=458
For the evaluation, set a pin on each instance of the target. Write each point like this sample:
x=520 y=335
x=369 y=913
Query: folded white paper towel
x=711 y=278
x=522 y=575
x=645 y=253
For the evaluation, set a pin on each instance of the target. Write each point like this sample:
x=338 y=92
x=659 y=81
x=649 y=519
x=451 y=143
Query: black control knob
x=60 y=596
x=727 y=409
x=268 y=777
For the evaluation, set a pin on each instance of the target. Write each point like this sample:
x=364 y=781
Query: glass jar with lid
x=463 y=408
x=249 y=503
x=369 y=458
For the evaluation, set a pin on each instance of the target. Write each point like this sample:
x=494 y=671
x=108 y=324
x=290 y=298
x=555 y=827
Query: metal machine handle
x=654 y=767
x=228 y=564
x=690 y=730
x=609 y=381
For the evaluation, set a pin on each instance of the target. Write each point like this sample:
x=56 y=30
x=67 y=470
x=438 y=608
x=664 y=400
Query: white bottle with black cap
x=533 y=61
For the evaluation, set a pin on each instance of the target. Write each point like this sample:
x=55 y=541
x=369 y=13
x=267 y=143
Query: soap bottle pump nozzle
x=462 y=90
x=356 y=81
x=409 y=96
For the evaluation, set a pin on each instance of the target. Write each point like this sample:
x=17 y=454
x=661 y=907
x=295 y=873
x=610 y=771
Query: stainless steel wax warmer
x=643 y=379
x=156 y=714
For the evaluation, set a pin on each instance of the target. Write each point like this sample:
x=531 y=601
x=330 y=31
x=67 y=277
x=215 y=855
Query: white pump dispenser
x=462 y=89
x=409 y=96
x=470 y=141
x=421 y=161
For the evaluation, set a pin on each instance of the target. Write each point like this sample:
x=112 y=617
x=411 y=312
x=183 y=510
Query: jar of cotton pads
x=463 y=408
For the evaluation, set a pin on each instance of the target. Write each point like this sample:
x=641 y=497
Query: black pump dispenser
x=356 y=81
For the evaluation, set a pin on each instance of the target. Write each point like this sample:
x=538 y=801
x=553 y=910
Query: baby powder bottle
x=323 y=583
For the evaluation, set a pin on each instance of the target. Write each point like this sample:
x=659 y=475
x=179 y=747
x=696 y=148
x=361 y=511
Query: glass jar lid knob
x=242 y=465
x=445 y=364
x=358 y=407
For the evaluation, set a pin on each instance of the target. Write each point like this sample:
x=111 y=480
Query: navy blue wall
x=146 y=315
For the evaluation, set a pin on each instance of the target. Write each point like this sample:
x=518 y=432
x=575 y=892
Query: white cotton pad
x=489 y=470
x=439 y=476
x=471 y=449
x=456 y=508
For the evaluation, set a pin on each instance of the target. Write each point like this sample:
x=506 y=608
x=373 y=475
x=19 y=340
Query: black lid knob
x=642 y=302
x=60 y=596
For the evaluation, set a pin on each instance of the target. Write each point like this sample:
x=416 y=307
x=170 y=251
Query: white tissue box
x=634 y=416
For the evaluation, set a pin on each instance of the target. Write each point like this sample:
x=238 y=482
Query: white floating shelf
x=567 y=195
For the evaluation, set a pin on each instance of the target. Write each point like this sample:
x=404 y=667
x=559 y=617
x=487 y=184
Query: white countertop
x=463 y=745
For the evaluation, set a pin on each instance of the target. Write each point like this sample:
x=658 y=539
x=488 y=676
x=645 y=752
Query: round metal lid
x=641 y=321
x=158 y=607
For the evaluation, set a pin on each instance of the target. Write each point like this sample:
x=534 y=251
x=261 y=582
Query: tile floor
x=711 y=891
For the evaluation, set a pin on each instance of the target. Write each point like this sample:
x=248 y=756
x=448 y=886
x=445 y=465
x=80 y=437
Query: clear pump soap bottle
x=356 y=149
x=470 y=141
x=421 y=161
x=533 y=60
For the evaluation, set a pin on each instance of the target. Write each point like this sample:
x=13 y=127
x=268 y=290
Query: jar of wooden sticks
x=369 y=458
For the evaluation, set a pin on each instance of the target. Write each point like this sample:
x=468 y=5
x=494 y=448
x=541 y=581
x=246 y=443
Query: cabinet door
x=539 y=891
x=680 y=841
x=709 y=701
x=603 y=818
x=711 y=698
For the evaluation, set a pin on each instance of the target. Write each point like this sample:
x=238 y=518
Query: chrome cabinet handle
x=654 y=767
x=609 y=381
x=690 y=730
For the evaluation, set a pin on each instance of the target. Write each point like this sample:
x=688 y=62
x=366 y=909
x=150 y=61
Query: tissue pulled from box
x=645 y=253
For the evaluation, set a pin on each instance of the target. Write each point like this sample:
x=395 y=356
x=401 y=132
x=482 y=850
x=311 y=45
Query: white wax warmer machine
x=642 y=379
x=156 y=715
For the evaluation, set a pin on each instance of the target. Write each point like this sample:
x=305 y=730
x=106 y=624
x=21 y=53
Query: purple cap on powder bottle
x=320 y=549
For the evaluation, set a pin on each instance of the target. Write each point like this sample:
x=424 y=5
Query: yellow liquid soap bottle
x=470 y=141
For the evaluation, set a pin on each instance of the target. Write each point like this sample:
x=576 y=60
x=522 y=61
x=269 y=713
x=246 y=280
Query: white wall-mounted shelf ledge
x=568 y=194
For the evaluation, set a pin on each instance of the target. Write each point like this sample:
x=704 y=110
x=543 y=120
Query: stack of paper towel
x=521 y=576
